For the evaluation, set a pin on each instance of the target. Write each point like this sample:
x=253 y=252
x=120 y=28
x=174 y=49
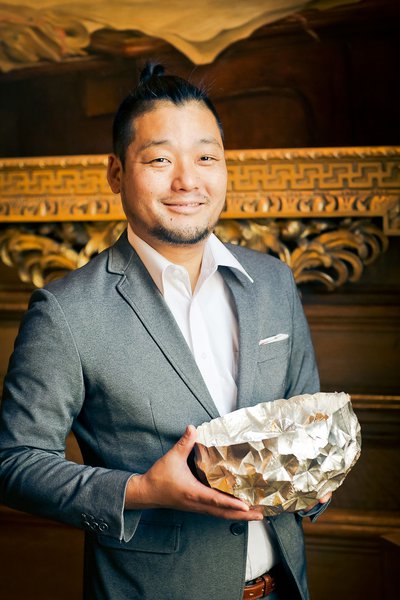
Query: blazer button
x=237 y=528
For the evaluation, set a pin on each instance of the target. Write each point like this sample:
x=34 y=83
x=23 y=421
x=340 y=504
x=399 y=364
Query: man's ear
x=114 y=170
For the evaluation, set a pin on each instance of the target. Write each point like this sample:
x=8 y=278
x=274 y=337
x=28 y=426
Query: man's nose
x=185 y=176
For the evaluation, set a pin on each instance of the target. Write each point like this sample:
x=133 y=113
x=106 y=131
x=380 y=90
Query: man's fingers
x=220 y=500
x=181 y=490
x=325 y=498
x=228 y=507
x=217 y=503
x=235 y=515
x=322 y=500
x=229 y=512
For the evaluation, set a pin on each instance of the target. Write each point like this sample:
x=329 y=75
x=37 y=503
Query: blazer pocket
x=149 y=537
x=273 y=350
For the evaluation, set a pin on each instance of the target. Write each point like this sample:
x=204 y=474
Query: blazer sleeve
x=43 y=393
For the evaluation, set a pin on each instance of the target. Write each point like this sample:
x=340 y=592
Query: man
x=157 y=334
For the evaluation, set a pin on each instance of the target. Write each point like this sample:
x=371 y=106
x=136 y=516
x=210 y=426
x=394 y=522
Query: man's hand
x=322 y=500
x=169 y=483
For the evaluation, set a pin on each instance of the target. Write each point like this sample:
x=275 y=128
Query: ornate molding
x=42 y=253
x=71 y=188
x=35 y=30
x=316 y=251
x=29 y=35
x=312 y=183
x=327 y=212
x=340 y=182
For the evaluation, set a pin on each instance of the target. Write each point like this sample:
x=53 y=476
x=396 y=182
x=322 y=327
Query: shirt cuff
x=129 y=518
x=315 y=511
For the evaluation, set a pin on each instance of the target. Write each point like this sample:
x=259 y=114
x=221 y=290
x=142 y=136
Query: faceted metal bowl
x=281 y=455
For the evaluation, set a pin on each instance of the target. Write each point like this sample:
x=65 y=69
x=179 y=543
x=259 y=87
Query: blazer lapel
x=247 y=314
x=139 y=290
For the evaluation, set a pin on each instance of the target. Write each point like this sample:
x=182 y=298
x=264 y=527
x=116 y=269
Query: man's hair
x=153 y=87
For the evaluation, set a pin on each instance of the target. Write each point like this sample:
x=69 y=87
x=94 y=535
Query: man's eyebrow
x=152 y=143
x=166 y=142
x=210 y=140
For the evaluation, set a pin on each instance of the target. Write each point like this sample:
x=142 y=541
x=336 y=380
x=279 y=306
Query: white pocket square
x=275 y=338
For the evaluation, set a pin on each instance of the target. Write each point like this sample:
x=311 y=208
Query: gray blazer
x=100 y=353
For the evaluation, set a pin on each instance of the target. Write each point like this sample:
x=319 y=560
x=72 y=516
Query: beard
x=185 y=237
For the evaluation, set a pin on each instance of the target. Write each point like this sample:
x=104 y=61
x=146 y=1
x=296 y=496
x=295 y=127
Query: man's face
x=173 y=184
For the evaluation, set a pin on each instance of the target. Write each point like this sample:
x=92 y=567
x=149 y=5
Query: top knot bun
x=154 y=87
x=151 y=70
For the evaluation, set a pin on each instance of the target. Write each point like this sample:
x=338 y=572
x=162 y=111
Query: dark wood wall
x=336 y=84
x=283 y=87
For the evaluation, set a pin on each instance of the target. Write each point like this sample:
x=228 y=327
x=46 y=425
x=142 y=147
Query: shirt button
x=237 y=528
x=203 y=355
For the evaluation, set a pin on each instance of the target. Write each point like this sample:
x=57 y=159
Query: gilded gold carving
x=315 y=182
x=56 y=189
x=316 y=251
x=33 y=30
x=344 y=182
x=28 y=35
x=286 y=202
x=46 y=252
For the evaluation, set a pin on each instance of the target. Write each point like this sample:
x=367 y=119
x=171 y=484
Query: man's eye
x=160 y=160
x=206 y=158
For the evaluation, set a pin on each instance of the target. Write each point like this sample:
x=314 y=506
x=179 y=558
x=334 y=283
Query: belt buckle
x=260 y=587
x=269 y=584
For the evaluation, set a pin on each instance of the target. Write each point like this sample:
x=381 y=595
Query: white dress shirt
x=208 y=322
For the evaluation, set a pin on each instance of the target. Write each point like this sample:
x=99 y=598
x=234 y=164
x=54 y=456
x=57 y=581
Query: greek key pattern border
x=293 y=183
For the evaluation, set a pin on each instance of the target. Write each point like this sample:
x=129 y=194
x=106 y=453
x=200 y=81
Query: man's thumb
x=187 y=441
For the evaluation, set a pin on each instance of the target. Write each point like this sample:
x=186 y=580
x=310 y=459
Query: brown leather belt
x=259 y=588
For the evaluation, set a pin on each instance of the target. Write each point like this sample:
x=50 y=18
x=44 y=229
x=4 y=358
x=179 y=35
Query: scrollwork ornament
x=317 y=251
x=49 y=251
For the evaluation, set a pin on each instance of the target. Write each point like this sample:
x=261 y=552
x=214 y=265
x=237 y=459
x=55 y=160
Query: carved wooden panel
x=286 y=202
x=336 y=182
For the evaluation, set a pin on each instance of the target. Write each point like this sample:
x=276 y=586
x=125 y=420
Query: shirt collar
x=215 y=255
x=222 y=257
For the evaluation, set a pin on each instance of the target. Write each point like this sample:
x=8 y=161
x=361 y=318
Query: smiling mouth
x=185 y=207
x=185 y=203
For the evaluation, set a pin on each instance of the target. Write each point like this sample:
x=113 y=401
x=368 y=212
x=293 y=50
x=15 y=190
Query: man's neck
x=189 y=256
